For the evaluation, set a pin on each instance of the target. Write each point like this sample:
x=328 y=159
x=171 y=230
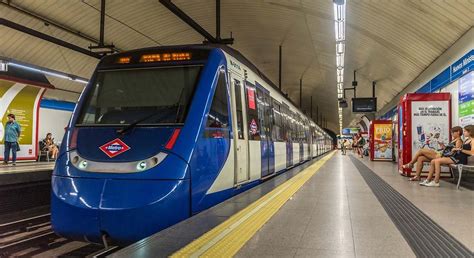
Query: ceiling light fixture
x=340 y=35
x=48 y=72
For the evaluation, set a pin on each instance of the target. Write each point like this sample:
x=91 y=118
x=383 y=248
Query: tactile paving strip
x=425 y=237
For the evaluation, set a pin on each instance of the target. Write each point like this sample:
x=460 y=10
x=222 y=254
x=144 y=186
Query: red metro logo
x=114 y=148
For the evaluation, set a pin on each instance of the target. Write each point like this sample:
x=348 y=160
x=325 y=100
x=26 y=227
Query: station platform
x=25 y=172
x=335 y=206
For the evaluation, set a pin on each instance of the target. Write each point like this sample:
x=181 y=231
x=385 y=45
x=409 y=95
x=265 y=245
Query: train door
x=310 y=142
x=301 y=138
x=266 y=143
x=240 y=130
x=287 y=134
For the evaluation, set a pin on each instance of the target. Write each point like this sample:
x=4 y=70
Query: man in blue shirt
x=12 y=133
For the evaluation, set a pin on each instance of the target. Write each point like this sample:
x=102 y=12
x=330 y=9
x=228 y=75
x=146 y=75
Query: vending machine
x=380 y=140
x=424 y=121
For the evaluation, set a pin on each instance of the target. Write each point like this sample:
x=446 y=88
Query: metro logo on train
x=114 y=148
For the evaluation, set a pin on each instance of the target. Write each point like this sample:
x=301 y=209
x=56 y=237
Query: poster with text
x=466 y=99
x=22 y=100
x=429 y=125
x=383 y=141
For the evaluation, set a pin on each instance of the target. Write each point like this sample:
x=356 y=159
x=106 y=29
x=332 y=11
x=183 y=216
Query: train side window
x=238 y=103
x=277 y=125
x=218 y=114
x=253 y=122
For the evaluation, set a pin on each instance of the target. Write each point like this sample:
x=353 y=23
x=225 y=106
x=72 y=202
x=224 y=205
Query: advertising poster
x=383 y=141
x=466 y=99
x=430 y=125
x=22 y=100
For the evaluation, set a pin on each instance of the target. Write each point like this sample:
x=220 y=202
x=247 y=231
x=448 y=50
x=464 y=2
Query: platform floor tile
x=334 y=214
x=450 y=208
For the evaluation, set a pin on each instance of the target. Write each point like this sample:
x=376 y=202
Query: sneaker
x=424 y=182
x=432 y=184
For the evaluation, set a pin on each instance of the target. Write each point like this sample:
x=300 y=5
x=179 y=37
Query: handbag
x=17 y=146
x=448 y=151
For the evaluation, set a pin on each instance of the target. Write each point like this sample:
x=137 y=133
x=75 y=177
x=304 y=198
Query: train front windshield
x=151 y=96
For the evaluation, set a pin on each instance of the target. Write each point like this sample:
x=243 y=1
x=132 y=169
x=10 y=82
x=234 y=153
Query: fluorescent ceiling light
x=340 y=47
x=3 y=66
x=340 y=35
x=81 y=81
x=47 y=72
x=340 y=11
x=340 y=30
x=340 y=60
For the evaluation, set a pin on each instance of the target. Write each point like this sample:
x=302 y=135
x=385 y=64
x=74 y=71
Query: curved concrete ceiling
x=390 y=42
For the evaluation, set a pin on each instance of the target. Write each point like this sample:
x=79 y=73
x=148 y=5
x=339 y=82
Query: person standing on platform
x=343 y=146
x=360 y=145
x=12 y=133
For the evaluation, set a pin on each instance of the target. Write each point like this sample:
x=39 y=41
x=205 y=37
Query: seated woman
x=50 y=146
x=426 y=155
x=460 y=155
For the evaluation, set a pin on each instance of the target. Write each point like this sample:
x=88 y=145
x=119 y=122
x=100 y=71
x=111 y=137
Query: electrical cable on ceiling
x=123 y=23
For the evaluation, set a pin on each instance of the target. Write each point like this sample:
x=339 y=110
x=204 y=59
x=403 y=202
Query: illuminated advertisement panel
x=23 y=101
x=425 y=121
x=382 y=140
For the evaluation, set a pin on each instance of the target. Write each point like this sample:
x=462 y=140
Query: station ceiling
x=388 y=41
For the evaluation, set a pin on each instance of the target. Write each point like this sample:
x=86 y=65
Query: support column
x=301 y=93
x=102 y=22
x=279 y=69
x=218 y=20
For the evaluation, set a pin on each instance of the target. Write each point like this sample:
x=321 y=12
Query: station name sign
x=462 y=66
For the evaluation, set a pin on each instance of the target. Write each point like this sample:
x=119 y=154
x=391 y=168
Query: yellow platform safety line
x=226 y=239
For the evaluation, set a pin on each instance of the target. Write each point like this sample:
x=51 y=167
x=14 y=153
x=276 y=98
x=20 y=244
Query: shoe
x=424 y=182
x=432 y=184
x=5 y=163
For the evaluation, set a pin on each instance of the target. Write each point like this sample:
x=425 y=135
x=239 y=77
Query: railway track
x=26 y=224
x=33 y=237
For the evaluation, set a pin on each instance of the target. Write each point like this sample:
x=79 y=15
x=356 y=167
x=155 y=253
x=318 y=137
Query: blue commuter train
x=160 y=134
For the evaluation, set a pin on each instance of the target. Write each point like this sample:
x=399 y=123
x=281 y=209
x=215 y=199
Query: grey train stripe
x=425 y=237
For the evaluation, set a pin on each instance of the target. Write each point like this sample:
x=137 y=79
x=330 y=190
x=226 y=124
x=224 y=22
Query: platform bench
x=469 y=167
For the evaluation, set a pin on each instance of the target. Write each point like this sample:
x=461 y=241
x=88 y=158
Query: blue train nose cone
x=125 y=210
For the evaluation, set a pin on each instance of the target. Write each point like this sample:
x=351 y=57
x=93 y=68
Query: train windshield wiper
x=134 y=124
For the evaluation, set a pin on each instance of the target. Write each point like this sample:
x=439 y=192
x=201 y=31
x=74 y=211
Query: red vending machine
x=380 y=140
x=424 y=121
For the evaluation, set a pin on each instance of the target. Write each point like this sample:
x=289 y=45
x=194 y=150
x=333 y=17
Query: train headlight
x=75 y=160
x=83 y=164
x=141 y=165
